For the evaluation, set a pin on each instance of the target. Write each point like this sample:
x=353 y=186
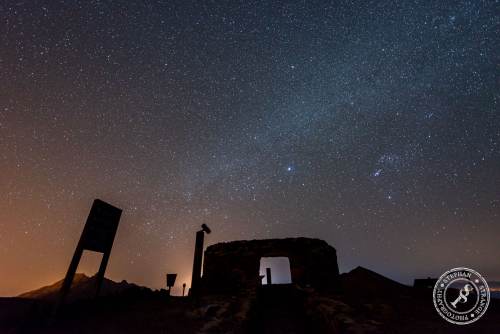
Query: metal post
x=198 y=258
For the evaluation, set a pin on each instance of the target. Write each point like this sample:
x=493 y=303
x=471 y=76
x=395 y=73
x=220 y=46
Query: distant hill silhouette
x=83 y=287
x=362 y=282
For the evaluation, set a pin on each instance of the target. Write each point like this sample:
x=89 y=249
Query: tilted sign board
x=101 y=226
x=98 y=235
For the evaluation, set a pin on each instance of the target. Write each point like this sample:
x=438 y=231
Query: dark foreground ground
x=378 y=305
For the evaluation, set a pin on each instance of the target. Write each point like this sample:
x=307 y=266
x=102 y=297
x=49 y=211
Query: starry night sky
x=373 y=125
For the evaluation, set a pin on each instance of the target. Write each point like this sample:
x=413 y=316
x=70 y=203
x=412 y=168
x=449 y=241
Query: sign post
x=98 y=235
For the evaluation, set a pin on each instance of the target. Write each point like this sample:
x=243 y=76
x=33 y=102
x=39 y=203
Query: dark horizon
x=494 y=285
x=373 y=126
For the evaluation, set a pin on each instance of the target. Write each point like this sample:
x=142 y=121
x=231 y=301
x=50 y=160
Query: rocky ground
x=368 y=303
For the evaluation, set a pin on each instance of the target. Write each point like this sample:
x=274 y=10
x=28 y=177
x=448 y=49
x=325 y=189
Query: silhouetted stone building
x=424 y=283
x=234 y=266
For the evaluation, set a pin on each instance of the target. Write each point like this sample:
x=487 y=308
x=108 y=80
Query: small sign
x=171 y=280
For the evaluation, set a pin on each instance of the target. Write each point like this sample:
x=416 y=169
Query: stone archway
x=235 y=265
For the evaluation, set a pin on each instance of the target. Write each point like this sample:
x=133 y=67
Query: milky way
x=373 y=125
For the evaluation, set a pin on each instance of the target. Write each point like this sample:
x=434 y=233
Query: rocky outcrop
x=234 y=266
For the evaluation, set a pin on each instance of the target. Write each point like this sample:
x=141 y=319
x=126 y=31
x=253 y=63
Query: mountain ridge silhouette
x=82 y=287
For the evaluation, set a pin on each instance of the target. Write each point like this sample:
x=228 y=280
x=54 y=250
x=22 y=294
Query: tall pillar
x=197 y=262
x=198 y=259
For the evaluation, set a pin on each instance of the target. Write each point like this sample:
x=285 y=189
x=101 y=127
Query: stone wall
x=234 y=266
